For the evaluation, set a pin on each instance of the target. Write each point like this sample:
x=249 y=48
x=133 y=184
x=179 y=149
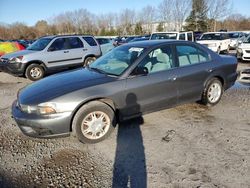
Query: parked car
x=216 y=41
x=234 y=37
x=9 y=47
x=51 y=53
x=106 y=44
x=131 y=80
x=243 y=50
x=189 y=36
x=139 y=39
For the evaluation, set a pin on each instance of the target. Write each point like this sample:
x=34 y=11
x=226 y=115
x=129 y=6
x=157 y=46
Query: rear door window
x=188 y=55
x=74 y=42
x=58 y=44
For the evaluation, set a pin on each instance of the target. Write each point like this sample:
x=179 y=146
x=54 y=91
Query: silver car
x=51 y=53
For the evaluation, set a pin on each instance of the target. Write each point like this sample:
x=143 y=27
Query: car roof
x=152 y=43
x=55 y=36
x=215 y=32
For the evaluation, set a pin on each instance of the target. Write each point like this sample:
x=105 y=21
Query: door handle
x=65 y=51
x=209 y=70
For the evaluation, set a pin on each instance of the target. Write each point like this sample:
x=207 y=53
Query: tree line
x=169 y=15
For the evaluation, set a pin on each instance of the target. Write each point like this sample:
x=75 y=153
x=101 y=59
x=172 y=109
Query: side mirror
x=51 y=49
x=140 y=71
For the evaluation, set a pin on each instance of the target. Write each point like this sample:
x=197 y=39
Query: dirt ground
x=187 y=146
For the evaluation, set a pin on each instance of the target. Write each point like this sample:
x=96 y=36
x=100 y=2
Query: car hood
x=208 y=41
x=18 y=53
x=59 y=84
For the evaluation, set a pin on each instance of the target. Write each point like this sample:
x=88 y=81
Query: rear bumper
x=42 y=126
x=13 y=68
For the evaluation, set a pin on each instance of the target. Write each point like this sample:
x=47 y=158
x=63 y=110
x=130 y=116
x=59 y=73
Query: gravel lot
x=187 y=146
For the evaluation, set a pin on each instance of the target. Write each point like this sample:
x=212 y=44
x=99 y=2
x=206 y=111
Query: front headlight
x=27 y=108
x=42 y=109
x=46 y=108
x=16 y=59
x=212 y=45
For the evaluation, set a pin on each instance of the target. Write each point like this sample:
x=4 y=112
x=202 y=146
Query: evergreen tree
x=197 y=20
x=138 y=28
x=160 y=27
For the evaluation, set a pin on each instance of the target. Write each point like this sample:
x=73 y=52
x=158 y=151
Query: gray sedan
x=129 y=81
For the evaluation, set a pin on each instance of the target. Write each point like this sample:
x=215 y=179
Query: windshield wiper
x=100 y=71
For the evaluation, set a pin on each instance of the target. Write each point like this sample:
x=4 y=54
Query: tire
x=86 y=130
x=212 y=92
x=89 y=60
x=34 y=72
x=218 y=50
x=227 y=50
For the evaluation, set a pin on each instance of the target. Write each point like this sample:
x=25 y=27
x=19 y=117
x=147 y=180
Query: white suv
x=216 y=41
x=51 y=53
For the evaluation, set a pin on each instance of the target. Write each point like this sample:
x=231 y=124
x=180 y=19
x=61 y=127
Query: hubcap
x=35 y=72
x=214 y=92
x=95 y=125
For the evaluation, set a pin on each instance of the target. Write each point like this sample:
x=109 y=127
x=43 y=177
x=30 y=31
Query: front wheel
x=89 y=60
x=212 y=92
x=93 y=122
x=34 y=72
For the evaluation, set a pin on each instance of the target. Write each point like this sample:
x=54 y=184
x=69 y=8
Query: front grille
x=247 y=51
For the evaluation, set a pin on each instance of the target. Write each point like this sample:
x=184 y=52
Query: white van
x=173 y=35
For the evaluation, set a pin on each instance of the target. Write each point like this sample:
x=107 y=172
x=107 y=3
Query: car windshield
x=234 y=35
x=211 y=36
x=116 y=61
x=40 y=44
x=164 y=36
x=247 y=39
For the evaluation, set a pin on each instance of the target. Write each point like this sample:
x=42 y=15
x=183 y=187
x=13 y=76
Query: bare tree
x=173 y=13
x=127 y=20
x=165 y=10
x=147 y=16
x=218 y=10
x=181 y=10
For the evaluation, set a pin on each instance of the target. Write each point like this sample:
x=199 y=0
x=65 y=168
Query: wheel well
x=36 y=62
x=106 y=101
x=90 y=55
x=220 y=79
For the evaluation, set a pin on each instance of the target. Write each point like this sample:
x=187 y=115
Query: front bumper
x=12 y=68
x=56 y=125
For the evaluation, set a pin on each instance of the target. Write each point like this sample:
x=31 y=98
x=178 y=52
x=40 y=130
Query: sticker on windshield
x=135 y=49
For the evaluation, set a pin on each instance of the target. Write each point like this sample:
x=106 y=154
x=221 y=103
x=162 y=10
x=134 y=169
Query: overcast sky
x=30 y=11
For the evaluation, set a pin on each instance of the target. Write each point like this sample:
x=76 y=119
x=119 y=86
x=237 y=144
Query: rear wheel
x=93 y=122
x=89 y=60
x=212 y=92
x=34 y=72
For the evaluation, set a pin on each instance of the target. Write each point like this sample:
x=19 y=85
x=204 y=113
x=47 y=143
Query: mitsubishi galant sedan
x=129 y=81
